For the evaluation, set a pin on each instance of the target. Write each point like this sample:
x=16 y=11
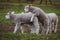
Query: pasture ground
x=27 y=36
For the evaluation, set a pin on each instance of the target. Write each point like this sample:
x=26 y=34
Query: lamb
x=41 y=15
x=21 y=19
x=53 y=21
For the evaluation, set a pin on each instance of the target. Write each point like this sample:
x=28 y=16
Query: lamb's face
x=8 y=15
x=27 y=8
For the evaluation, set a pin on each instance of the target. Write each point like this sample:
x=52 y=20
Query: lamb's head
x=28 y=8
x=9 y=14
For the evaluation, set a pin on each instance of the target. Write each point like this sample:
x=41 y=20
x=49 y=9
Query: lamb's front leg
x=16 y=27
x=55 y=27
x=32 y=17
x=46 y=26
x=50 y=27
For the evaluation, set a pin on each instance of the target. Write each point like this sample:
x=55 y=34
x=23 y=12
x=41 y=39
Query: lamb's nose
x=7 y=17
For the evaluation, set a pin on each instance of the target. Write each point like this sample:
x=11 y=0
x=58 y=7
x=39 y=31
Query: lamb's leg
x=46 y=25
x=36 y=25
x=16 y=27
x=22 y=28
x=43 y=30
x=32 y=17
x=47 y=31
x=32 y=29
x=50 y=26
x=55 y=27
x=40 y=30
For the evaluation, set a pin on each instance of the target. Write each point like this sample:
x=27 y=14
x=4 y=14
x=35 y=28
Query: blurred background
x=49 y=6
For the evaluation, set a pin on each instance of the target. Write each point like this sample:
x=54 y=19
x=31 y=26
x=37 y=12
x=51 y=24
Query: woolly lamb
x=53 y=21
x=21 y=19
x=41 y=17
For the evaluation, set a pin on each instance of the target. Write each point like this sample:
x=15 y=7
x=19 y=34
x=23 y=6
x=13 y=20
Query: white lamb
x=21 y=19
x=53 y=22
x=41 y=15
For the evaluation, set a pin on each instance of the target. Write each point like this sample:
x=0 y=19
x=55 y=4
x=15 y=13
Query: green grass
x=3 y=12
x=27 y=36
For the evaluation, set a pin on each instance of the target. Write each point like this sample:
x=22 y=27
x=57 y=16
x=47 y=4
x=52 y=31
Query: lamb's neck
x=12 y=16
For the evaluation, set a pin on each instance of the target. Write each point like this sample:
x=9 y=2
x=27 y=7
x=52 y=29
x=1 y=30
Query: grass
x=3 y=12
x=26 y=36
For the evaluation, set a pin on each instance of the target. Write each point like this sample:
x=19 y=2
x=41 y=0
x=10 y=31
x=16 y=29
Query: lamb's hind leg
x=47 y=29
x=22 y=28
x=16 y=27
x=50 y=27
x=55 y=27
x=32 y=29
x=46 y=25
x=43 y=30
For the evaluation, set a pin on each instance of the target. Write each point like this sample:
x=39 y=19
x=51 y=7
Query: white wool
x=24 y=18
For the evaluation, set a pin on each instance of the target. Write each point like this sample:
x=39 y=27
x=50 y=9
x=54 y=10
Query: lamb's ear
x=9 y=12
x=12 y=12
x=30 y=5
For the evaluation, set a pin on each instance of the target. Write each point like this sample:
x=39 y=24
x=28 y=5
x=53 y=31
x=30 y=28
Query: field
x=7 y=26
x=27 y=36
